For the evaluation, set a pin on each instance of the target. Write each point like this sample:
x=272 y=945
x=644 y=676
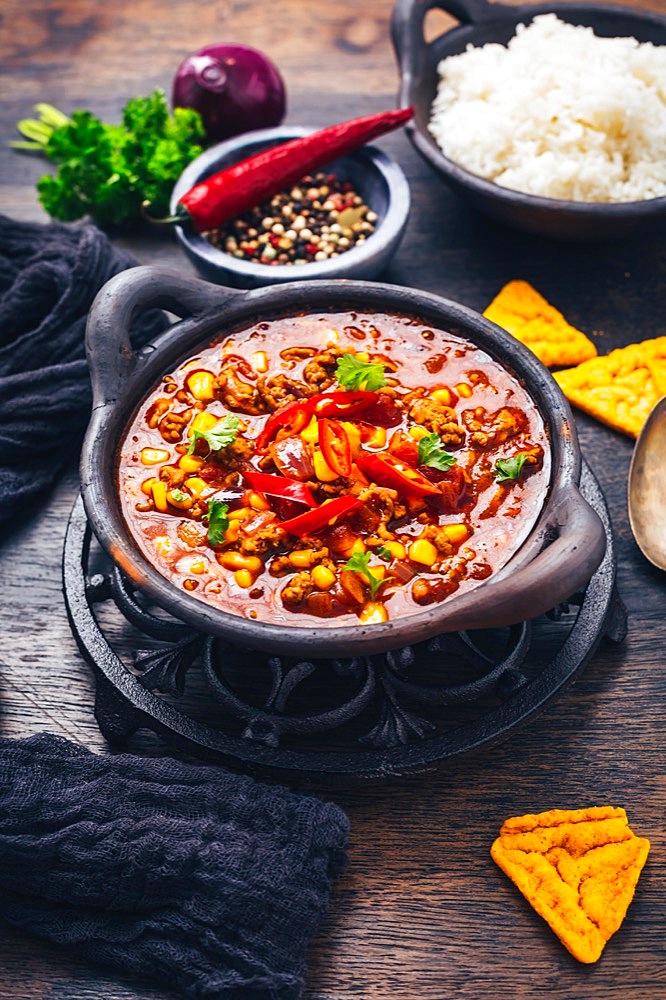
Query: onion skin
x=235 y=89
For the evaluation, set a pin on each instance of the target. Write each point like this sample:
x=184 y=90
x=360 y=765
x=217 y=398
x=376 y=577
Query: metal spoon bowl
x=646 y=496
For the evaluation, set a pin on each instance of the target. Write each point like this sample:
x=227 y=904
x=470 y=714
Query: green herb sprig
x=509 y=469
x=359 y=563
x=220 y=436
x=433 y=454
x=354 y=374
x=218 y=522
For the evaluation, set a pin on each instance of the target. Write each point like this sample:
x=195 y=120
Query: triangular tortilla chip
x=578 y=869
x=521 y=310
x=620 y=388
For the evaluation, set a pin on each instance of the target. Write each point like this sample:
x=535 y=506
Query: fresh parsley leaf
x=218 y=522
x=432 y=453
x=222 y=434
x=384 y=553
x=359 y=563
x=354 y=374
x=108 y=171
x=507 y=469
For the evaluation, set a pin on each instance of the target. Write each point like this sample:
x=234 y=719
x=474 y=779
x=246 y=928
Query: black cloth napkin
x=49 y=276
x=208 y=882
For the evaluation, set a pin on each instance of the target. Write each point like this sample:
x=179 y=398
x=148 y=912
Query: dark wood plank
x=421 y=910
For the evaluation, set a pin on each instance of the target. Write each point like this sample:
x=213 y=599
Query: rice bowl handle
x=232 y=191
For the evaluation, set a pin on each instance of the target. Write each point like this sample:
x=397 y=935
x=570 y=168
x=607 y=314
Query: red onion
x=234 y=88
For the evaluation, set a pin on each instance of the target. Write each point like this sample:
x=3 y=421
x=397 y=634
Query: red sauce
x=390 y=491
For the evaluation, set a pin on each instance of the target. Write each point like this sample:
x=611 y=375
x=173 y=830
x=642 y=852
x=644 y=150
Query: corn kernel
x=301 y=558
x=423 y=551
x=373 y=613
x=236 y=560
x=162 y=545
x=456 y=533
x=463 y=389
x=232 y=532
x=243 y=578
x=190 y=463
x=363 y=356
x=442 y=396
x=154 y=456
x=322 y=470
x=376 y=438
x=239 y=514
x=147 y=486
x=159 y=491
x=354 y=435
x=417 y=432
x=196 y=486
x=397 y=549
x=198 y=566
x=323 y=577
x=311 y=432
x=258 y=502
x=358 y=545
x=259 y=361
x=203 y=422
x=201 y=384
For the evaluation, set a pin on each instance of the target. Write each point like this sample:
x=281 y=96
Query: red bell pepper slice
x=385 y=470
x=314 y=520
x=372 y=407
x=291 y=418
x=279 y=486
x=335 y=446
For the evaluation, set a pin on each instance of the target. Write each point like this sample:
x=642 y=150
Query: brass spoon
x=646 y=496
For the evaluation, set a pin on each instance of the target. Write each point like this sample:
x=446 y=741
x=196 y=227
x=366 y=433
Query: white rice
x=559 y=112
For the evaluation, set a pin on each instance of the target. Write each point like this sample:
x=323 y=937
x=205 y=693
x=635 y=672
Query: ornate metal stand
x=367 y=716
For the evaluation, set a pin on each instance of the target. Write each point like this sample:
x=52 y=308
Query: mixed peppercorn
x=297 y=470
x=321 y=217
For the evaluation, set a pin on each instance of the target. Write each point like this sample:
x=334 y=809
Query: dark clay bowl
x=482 y=22
x=559 y=556
x=375 y=176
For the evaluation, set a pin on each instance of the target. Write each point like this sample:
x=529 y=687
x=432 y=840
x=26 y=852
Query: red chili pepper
x=314 y=520
x=373 y=407
x=335 y=446
x=389 y=471
x=279 y=486
x=291 y=418
x=231 y=192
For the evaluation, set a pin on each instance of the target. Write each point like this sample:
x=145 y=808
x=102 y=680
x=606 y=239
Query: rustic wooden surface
x=421 y=911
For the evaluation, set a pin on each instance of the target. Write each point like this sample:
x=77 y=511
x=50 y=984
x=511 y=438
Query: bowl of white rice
x=551 y=120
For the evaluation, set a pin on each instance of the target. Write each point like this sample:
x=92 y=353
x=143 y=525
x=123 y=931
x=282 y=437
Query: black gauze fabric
x=206 y=881
x=49 y=276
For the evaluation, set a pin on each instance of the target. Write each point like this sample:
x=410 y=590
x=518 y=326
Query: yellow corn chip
x=578 y=868
x=620 y=388
x=526 y=315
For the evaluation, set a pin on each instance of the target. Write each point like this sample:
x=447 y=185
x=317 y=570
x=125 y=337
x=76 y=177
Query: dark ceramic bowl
x=481 y=22
x=558 y=557
x=374 y=175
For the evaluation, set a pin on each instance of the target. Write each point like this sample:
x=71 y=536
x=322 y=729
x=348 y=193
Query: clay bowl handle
x=111 y=357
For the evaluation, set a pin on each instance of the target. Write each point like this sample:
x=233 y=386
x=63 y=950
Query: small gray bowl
x=375 y=176
x=481 y=22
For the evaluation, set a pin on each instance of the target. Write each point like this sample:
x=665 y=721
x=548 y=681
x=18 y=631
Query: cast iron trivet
x=369 y=716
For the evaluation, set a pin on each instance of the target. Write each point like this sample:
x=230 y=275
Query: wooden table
x=421 y=910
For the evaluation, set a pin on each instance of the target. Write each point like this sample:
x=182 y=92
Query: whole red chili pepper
x=385 y=470
x=314 y=520
x=335 y=446
x=232 y=191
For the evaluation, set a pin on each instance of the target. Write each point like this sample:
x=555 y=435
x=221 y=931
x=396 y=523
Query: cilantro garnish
x=179 y=496
x=222 y=434
x=384 y=553
x=507 y=469
x=108 y=171
x=359 y=563
x=354 y=374
x=432 y=453
x=218 y=522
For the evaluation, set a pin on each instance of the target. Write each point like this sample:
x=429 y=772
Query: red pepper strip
x=279 y=486
x=246 y=184
x=373 y=407
x=314 y=520
x=389 y=471
x=335 y=446
x=292 y=418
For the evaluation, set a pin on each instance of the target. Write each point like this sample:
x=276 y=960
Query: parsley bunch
x=108 y=171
